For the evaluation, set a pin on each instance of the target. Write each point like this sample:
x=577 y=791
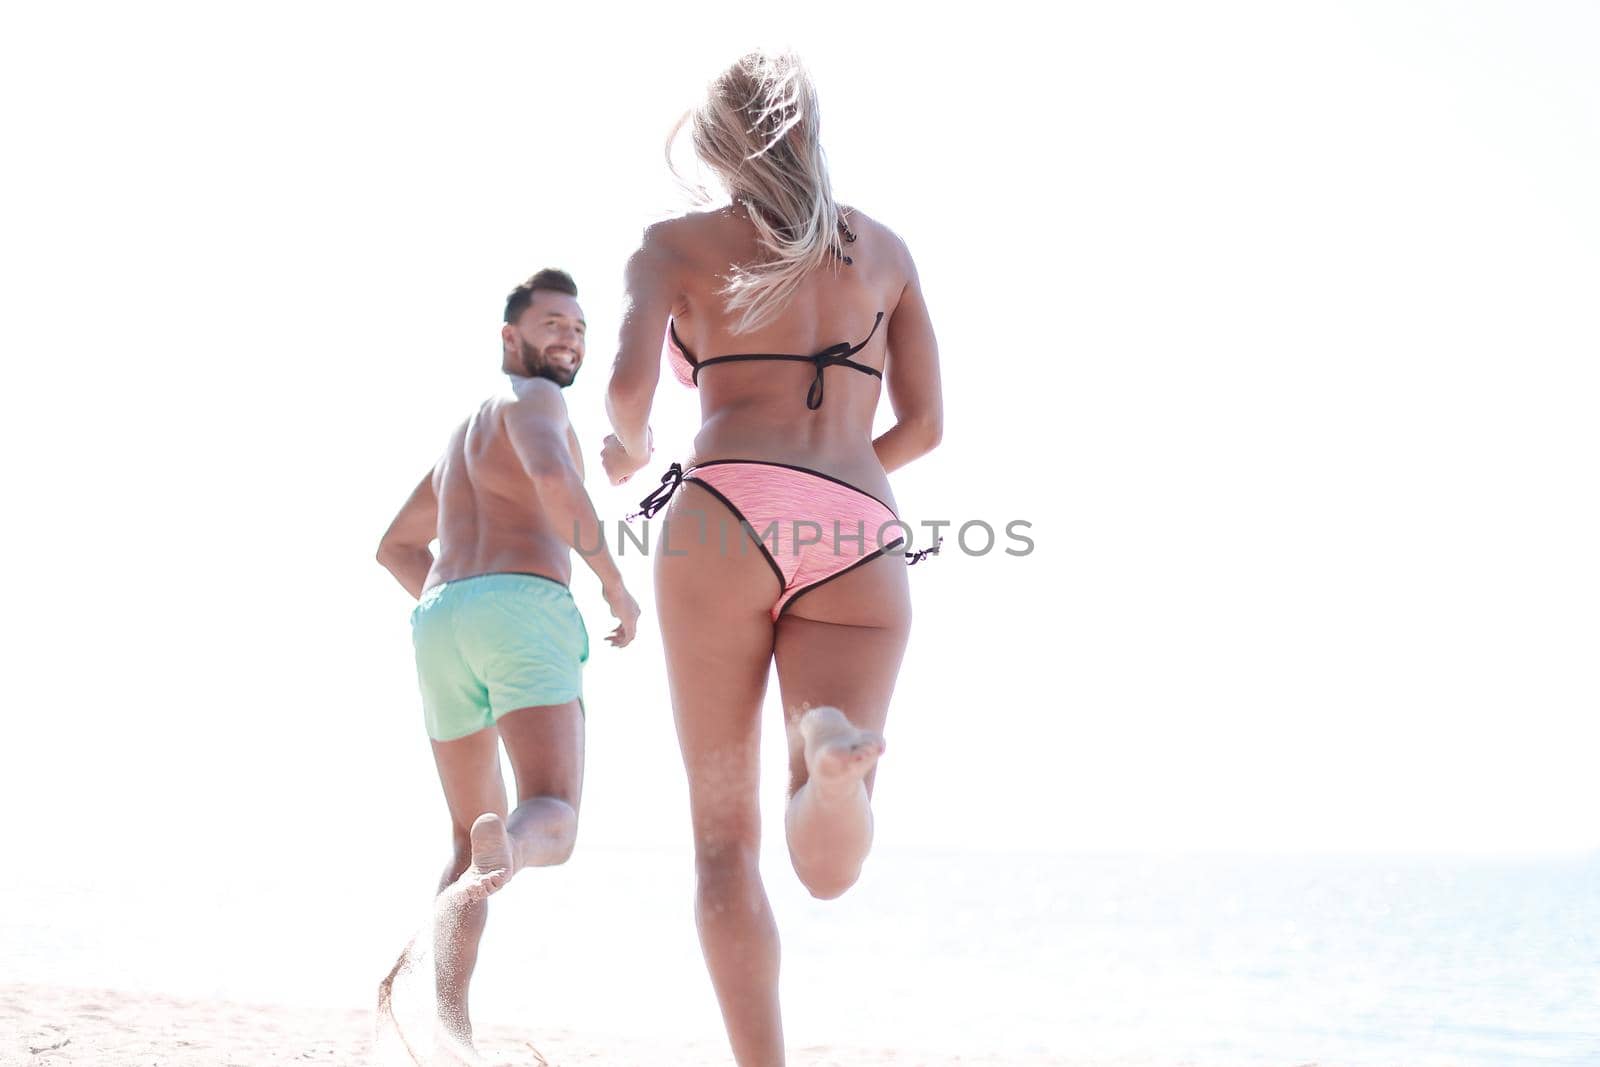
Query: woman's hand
x=619 y=463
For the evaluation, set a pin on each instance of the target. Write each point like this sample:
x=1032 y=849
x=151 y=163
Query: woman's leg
x=838 y=650
x=714 y=595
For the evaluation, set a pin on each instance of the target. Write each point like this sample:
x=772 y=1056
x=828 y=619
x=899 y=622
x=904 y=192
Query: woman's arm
x=912 y=378
x=652 y=288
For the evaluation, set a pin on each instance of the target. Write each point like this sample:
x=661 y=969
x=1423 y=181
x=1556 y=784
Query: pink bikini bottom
x=811 y=527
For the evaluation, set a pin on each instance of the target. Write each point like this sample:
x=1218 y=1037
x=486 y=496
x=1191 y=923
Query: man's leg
x=469 y=771
x=532 y=652
x=545 y=745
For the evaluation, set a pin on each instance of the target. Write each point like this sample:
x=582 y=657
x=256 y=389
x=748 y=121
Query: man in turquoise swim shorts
x=500 y=645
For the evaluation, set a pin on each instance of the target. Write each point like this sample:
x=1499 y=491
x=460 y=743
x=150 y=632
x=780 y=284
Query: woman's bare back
x=757 y=409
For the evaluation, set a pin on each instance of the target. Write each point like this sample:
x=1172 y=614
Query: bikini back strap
x=833 y=356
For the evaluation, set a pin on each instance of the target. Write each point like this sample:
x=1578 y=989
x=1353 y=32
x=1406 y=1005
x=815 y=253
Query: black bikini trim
x=751 y=530
x=672 y=328
x=795 y=467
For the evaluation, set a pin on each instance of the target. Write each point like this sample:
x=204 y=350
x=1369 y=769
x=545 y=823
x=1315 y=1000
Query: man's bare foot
x=838 y=754
x=491 y=862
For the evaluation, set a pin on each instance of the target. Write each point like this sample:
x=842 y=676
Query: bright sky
x=1277 y=322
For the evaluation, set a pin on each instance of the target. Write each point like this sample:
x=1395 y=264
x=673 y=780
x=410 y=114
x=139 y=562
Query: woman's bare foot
x=838 y=754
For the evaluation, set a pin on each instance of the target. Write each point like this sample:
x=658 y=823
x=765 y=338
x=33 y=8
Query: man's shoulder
x=533 y=398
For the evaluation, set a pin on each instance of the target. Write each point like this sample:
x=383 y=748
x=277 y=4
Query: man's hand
x=626 y=610
x=619 y=463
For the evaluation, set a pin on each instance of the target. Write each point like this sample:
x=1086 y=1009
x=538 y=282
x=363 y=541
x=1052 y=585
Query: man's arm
x=404 y=548
x=540 y=431
x=538 y=426
x=911 y=377
x=577 y=452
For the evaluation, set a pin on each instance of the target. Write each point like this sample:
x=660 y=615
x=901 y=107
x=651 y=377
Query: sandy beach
x=49 y=1026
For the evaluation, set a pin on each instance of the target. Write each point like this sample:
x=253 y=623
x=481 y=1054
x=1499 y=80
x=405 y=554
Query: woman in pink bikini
x=782 y=533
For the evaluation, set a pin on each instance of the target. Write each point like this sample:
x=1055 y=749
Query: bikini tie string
x=913 y=558
x=833 y=356
x=828 y=357
x=663 y=493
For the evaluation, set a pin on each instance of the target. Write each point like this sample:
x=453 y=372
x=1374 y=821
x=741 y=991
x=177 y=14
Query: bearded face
x=558 y=362
x=549 y=337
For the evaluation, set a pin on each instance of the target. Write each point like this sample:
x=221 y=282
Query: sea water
x=1236 y=960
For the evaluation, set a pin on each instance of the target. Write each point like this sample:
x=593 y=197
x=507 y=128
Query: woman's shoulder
x=693 y=221
x=878 y=232
x=684 y=234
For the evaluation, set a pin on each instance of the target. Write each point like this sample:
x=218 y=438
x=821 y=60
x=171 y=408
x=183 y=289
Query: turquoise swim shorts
x=495 y=643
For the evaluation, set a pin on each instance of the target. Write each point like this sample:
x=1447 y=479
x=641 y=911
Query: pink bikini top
x=688 y=369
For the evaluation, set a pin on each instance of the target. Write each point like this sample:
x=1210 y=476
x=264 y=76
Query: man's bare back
x=491 y=517
x=507 y=496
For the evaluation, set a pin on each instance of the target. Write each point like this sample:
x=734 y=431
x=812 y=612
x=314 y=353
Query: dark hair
x=555 y=280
